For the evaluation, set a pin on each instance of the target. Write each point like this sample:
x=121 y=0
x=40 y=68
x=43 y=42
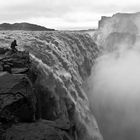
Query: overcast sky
x=63 y=14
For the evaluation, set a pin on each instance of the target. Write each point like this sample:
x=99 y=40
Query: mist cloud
x=114 y=92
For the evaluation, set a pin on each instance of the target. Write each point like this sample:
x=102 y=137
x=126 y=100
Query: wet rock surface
x=41 y=93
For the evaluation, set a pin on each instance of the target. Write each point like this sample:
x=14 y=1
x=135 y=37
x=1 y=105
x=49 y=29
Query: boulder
x=17 y=101
x=16 y=60
x=40 y=130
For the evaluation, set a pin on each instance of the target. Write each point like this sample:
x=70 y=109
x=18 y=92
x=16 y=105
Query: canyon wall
x=120 y=23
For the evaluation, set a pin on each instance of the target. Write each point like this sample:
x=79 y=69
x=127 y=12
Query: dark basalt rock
x=41 y=130
x=15 y=98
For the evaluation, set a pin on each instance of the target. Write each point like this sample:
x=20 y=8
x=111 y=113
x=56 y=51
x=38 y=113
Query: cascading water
x=59 y=63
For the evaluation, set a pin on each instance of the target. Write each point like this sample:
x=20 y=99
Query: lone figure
x=13 y=46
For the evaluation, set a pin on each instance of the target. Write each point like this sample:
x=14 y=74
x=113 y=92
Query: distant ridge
x=23 y=26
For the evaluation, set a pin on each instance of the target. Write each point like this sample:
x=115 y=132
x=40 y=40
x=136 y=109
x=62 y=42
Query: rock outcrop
x=41 y=94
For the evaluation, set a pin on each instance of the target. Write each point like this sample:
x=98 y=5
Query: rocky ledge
x=41 y=94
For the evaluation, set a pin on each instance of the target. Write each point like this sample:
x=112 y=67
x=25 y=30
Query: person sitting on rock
x=13 y=46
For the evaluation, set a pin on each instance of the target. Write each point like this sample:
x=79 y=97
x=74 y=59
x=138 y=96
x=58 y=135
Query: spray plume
x=114 y=93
